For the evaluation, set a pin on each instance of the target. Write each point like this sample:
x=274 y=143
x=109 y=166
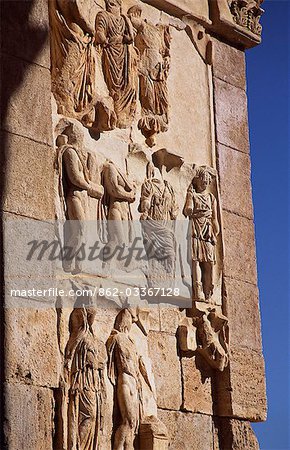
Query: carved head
x=61 y=140
x=203 y=178
x=124 y=321
x=113 y=4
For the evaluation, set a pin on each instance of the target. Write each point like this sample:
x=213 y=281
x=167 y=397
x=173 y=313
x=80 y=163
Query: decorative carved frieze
x=247 y=13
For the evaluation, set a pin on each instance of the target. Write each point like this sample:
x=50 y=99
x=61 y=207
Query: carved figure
x=159 y=209
x=153 y=43
x=75 y=186
x=247 y=13
x=85 y=361
x=126 y=369
x=73 y=59
x=114 y=34
x=119 y=194
x=213 y=338
x=201 y=208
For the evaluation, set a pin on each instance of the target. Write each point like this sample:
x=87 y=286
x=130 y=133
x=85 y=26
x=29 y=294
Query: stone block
x=25 y=30
x=28 y=417
x=188 y=431
x=26 y=99
x=240 y=254
x=231 y=116
x=196 y=382
x=32 y=352
x=166 y=369
x=229 y=64
x=29 y=178
x=241 y=392
x=235 y=181
x=242 y=306
x=237 y=435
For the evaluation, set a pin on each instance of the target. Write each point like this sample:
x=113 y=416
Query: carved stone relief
x=84 y=383
x=201 y=208
x=114 y=34
x=153 y=44
x=76 y=170
x=126 y=370
x=207 y=334
x=247 y=13
x=159 y=210
x=126 y=54
x=213 y=338
x=73 y=58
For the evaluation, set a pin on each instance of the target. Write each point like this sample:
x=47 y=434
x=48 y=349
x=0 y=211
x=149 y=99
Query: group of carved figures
x=134 y=59
x=158 y=208
x=88 y=361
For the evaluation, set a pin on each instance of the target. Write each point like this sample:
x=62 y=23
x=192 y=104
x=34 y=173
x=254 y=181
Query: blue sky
x=268 y=92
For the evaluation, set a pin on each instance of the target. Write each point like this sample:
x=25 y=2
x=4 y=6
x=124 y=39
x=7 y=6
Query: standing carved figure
x=201 y=208
x=159 y=209
x=114 y=33
x=212 y=338
x=126 y=369
x=73 y=59
x=85 y=361
x=75 y=188
x=119 y=194
x=153 y=43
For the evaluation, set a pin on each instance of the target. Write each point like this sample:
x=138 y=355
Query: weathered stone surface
x=235 y=181
x=188 y=431
x=198 y=9
x=240 y=257
x=28 y=417
x=25 y=30
x=29 y=181
x=196 y=383
x=26 y=99
x=237 y=435
x=169 y=318
x=229 y=64
x=231 y=116
x=32 y=354
x=163 y=353
x=241 y=393
x=242 y=305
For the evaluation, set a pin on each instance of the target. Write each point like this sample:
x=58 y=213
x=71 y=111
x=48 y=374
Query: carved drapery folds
x=73 y=59
x=247 y=13
x=114 y=34
x=101 y=67
x=201 y=208
x=84 y=383
x=153 y=44
x=159 y=210
x=77 y=170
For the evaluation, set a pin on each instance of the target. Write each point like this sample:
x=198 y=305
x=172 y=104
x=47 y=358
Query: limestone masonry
x=130 y=315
